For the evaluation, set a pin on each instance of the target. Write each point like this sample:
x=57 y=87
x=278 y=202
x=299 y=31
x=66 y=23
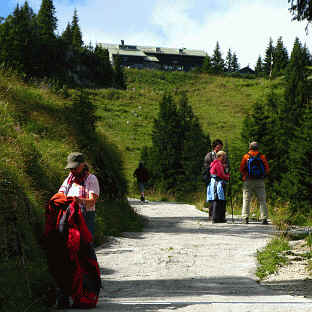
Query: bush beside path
x=182 y=262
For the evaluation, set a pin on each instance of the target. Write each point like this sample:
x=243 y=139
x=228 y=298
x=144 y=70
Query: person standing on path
x=216 y=188
x=142 y=177
x=217 y=146
x=254 y=168
x=83 y=186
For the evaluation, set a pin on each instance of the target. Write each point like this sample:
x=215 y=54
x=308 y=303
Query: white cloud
x=244 y=28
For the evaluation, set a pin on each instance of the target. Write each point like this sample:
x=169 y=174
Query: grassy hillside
x=221 y=103
x=38 y=129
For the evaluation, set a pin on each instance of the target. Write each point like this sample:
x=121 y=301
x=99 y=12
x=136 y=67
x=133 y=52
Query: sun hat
x=253 y=145
x=74 y=160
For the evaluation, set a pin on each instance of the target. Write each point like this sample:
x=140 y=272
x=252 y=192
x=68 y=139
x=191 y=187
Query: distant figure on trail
x=69 y=230
x=217 y=146
x=216 y=188
x=142 y=176
x=254 y=168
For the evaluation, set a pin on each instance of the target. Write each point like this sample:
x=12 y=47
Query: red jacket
x=217 y=168
x=243 y=166
x=70 y=255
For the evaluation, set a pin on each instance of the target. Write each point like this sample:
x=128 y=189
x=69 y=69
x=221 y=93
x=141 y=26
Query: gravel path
x=182 y=262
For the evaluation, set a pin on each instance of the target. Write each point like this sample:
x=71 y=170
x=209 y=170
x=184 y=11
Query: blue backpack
x=255 y=167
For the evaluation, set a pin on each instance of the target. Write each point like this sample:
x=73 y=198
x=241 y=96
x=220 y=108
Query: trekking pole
x=230 y=184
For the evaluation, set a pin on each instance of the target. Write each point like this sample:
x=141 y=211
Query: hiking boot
x=245 y=220
x=265 y=221
x=62 y=302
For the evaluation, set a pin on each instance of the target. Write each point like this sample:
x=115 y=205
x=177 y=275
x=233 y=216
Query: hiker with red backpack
x=254 y=168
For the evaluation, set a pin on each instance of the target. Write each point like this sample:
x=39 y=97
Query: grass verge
x=271 y=257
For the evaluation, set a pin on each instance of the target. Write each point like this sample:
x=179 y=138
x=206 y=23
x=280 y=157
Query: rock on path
x=182 y=262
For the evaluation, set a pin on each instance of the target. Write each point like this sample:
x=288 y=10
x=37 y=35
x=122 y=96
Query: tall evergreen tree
x=217 y=60
x=177 y=141
x=235 y=65
x=67 y=35
x=46 y=26
x=228 y=62
x=280 y=58
x=119 y=77
x=76 y=33
x=297 y=184
x=297 y=95
x=259 y=67
x=268 y=60
x=103 y=70
x=207 y=64
x=47 y=21
x=18 y=40
x=296 y=92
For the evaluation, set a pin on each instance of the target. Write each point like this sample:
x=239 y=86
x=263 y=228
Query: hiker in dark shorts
x=142 y=177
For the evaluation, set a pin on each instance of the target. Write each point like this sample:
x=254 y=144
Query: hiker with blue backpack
x=254 y=168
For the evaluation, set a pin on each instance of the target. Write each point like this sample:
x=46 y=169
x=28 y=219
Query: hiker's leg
x=141 y=188
x=214 y=205
x=246 y=199
x=90 y=221
x=222 y=210
x=261 y=195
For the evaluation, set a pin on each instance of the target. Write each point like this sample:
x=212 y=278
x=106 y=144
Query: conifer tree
x=280 y=58
x=295 y=106
x=297 y=185
x=67 y=35
x=268 y=60
x=47 y=21
x=228 y=62
x=119 y=79
x=235 y=65
x=217 y=60
x=18 y=40
x=207 y=64
x=259 y=67
x=103 y=70
x=76 y=33
x=46 y=26
x=177 y=141
x=296 y=92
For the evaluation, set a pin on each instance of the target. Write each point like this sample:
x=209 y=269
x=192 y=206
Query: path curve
x=182 y=262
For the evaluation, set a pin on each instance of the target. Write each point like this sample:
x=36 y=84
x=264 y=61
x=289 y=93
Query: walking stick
x=230 y=184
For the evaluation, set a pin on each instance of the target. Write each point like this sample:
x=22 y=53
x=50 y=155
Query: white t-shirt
x=91 y=186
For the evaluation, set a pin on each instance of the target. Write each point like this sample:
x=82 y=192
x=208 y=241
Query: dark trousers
x=218 y=210
x=90 y=221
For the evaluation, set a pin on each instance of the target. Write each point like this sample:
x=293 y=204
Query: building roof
x=149 y=58
x=144 y=50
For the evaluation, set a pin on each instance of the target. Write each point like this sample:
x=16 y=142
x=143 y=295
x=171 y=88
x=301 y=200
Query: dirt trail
x=182 y=262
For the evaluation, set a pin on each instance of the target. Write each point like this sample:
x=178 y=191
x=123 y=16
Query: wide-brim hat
x=253 y=145
x=74 y=160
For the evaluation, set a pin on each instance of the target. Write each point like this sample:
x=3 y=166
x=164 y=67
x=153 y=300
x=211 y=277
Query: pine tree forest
x=281 y=123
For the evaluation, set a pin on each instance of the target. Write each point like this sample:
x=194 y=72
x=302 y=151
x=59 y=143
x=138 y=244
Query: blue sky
x=244 y=26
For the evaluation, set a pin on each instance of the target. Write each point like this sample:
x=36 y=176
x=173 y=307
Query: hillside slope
x=221 y=103
x=38 y=129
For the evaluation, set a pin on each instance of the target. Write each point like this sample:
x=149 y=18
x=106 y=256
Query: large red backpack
x=71 y=257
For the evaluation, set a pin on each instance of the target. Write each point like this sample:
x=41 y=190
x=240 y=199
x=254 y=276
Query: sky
x=244 y=26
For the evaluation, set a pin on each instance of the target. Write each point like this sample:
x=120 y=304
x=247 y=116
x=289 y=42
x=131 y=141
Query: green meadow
x=220 y=102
